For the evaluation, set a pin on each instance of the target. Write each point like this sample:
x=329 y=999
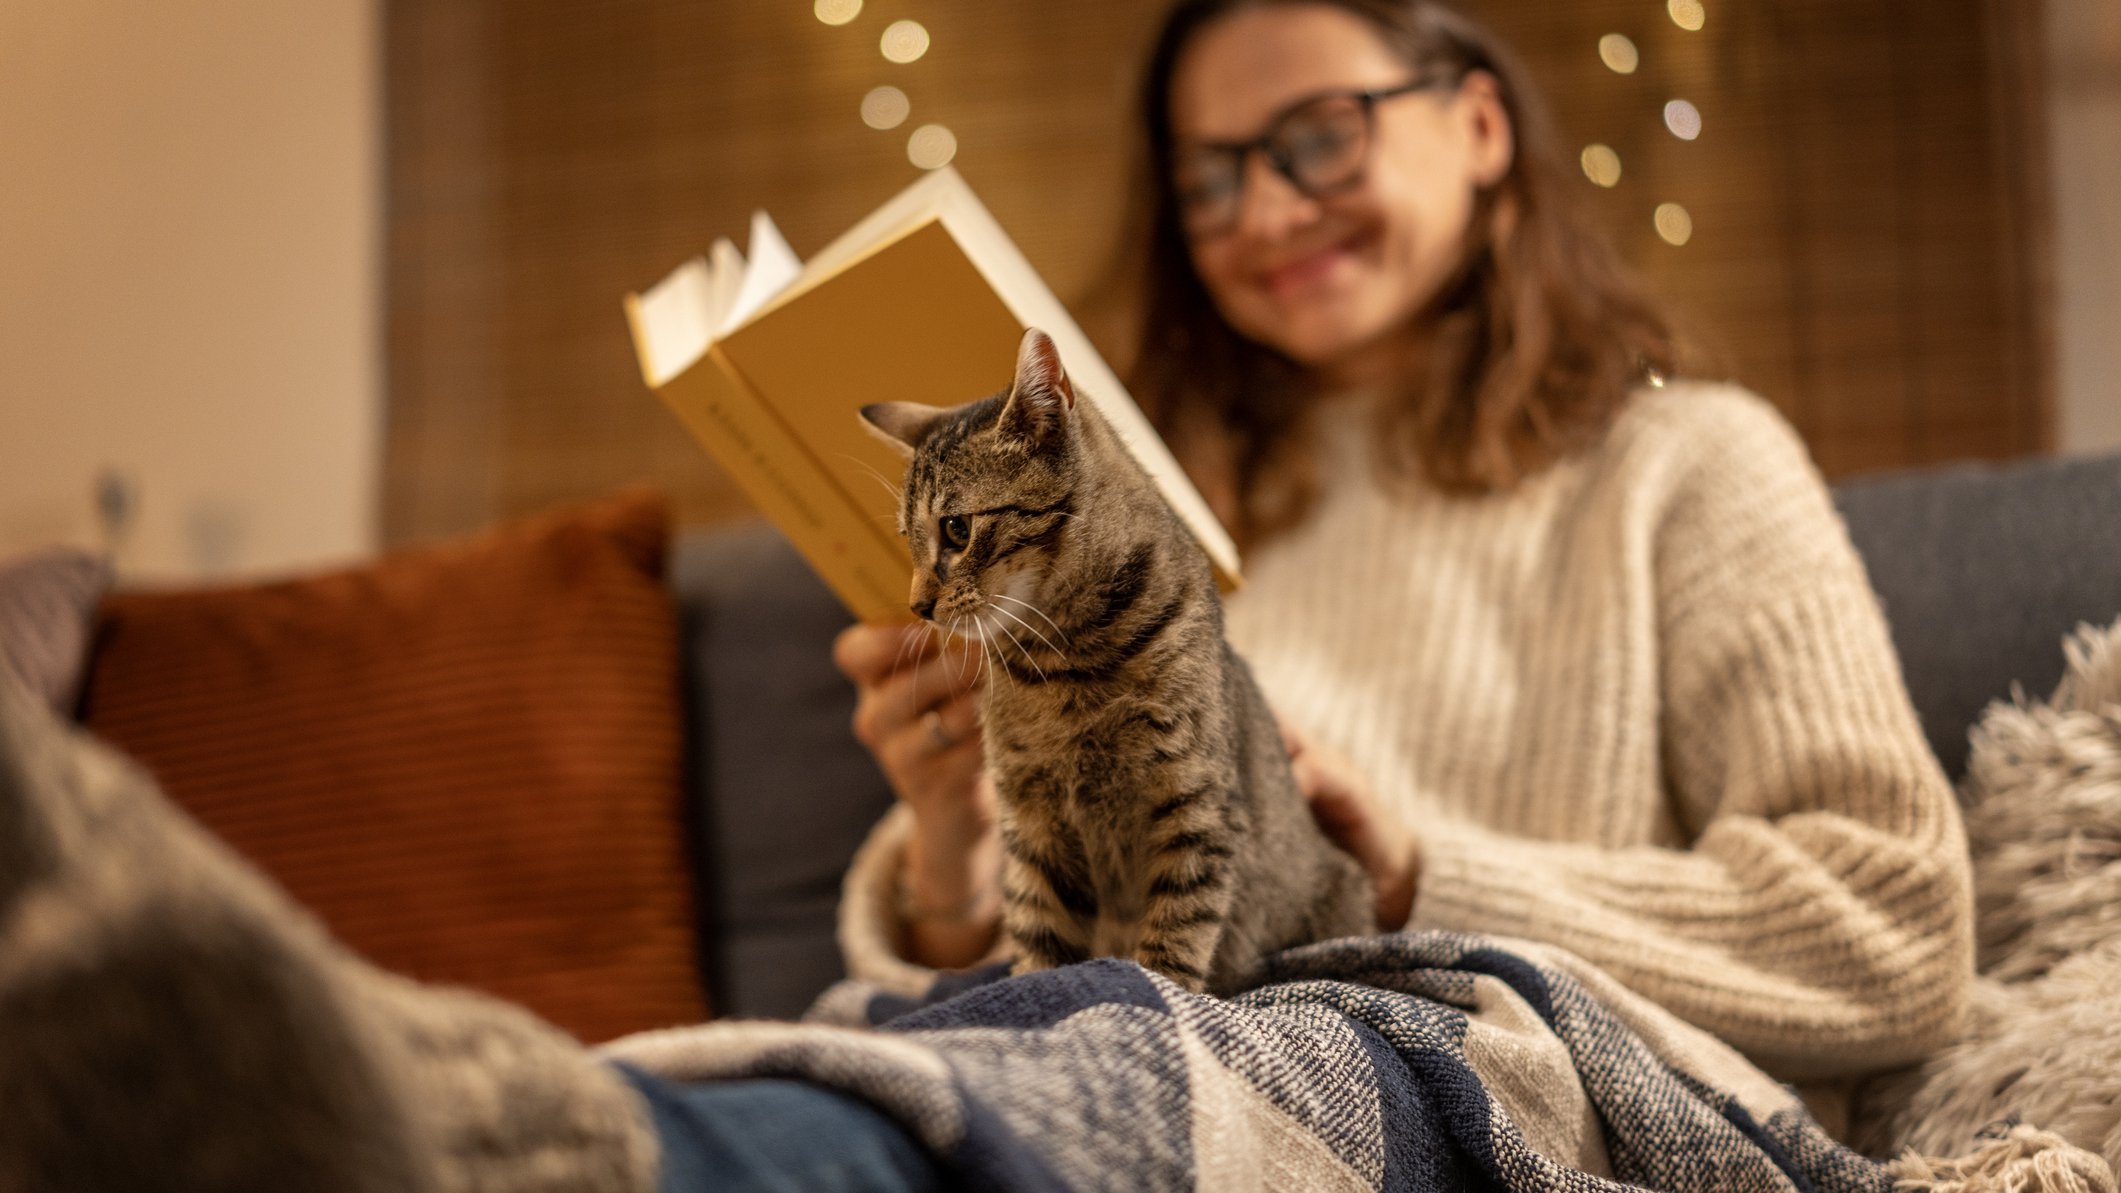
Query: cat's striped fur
x=1146 y=802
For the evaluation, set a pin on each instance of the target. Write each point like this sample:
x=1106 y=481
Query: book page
x=673 y=322
x=725 y=272
x=681 y=316
x=773 y=267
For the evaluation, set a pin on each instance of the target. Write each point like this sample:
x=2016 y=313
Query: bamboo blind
x=1868 y=246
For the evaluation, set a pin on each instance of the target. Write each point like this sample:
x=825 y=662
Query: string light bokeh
x=837 y=12
x=1673 y=223
x=1683 y=118
x=1601 y=162
x=1601 y=165
x=905 y=41
x=885 y=107
x=1618 y=53
x=931 y=146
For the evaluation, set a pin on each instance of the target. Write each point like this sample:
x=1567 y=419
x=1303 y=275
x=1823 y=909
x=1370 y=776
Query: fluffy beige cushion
x=2043 y=796
x=47 y=603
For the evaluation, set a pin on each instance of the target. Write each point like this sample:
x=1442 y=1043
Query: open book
x=766 y=361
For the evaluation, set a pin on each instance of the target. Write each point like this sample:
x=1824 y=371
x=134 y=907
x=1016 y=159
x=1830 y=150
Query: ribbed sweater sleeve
x=1819 y=918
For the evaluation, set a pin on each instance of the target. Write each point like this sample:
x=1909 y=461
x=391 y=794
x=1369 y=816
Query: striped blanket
x=1416 y=1061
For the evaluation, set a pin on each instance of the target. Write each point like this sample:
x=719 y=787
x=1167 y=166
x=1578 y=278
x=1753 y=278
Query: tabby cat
x=1146 y=802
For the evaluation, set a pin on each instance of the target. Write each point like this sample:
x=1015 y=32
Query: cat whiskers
x=986 y=660
x=898 y=495
x=1003 y=596
x=980 y=639
x=898 y=660
x=1017 y=642
x=988 y=649
x=908 y=642
x=1034 y=633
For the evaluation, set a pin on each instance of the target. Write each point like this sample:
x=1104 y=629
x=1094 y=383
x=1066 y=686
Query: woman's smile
x=1311 y=272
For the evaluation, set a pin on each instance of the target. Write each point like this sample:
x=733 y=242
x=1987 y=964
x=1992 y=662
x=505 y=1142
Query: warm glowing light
x=1618 y=53
x=1687 y=14
x=1601 y=165
x=885 y=107
x=837 y=12
x=1683 y=118
x=1674 y=224
x=931 y=146
x=905 y=41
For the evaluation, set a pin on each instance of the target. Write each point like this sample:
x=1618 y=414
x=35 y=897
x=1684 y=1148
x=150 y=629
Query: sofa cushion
x=1982 y=569
x=464 y=758
x=785 y=793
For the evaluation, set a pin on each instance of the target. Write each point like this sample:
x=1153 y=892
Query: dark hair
x=1527 y=353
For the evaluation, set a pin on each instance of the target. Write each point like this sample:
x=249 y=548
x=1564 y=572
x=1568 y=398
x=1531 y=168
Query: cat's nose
x=924 y=608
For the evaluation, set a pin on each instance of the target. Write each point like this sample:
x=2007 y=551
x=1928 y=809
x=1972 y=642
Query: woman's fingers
x=1338 y=809
x=870 y=654
x=916 y=687
x=941 y=784
x=884 y=707
x=1348 y=811
x=958 y=719
x=952 y=729
x=1292 y=739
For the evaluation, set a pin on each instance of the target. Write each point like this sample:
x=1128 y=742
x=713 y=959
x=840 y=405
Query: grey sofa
x=1981 y=571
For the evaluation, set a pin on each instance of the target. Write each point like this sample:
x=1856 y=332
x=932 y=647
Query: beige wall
x=189 y=289
x=2084 y=114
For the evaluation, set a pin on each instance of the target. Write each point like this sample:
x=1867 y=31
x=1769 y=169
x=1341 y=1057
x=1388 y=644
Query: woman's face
x=1325 y=279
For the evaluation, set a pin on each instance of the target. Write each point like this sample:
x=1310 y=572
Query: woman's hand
x=915 y=712
x=1348 y=810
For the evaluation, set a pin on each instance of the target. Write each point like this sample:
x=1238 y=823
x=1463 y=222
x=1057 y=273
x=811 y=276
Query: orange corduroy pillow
x=465 y=758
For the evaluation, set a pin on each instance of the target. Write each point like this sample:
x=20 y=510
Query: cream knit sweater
x=1644 y=708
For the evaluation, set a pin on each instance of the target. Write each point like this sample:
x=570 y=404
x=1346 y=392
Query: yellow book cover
x=767 y=362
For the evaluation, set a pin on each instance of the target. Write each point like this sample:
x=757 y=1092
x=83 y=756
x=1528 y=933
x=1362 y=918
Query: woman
x=1566 y=651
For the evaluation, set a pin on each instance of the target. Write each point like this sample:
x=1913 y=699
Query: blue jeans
x=778 y=1137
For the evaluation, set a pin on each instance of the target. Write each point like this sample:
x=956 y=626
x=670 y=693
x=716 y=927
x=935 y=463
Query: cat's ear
x=903 y=425
x=1041 y=398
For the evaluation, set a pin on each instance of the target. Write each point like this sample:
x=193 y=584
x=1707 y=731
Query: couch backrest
x=1981 y=571
x=782 y=793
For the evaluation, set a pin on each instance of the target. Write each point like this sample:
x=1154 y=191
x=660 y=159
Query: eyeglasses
x=1321 y=144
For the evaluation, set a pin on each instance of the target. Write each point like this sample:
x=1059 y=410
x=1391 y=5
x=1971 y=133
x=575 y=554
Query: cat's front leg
x=1188 y=904
x=1037 y=917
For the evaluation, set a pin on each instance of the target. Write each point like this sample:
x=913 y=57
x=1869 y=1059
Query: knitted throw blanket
x=1415 y=1061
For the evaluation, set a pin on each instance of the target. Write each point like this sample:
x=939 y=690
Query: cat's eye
x=956 y=532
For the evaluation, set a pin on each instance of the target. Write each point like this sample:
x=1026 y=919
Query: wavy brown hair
x=1527 y=353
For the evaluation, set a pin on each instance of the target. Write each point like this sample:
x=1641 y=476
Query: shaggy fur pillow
x=47 y=603
x=2043 y=816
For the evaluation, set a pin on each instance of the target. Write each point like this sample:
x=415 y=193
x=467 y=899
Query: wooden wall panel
x=1866 y=194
